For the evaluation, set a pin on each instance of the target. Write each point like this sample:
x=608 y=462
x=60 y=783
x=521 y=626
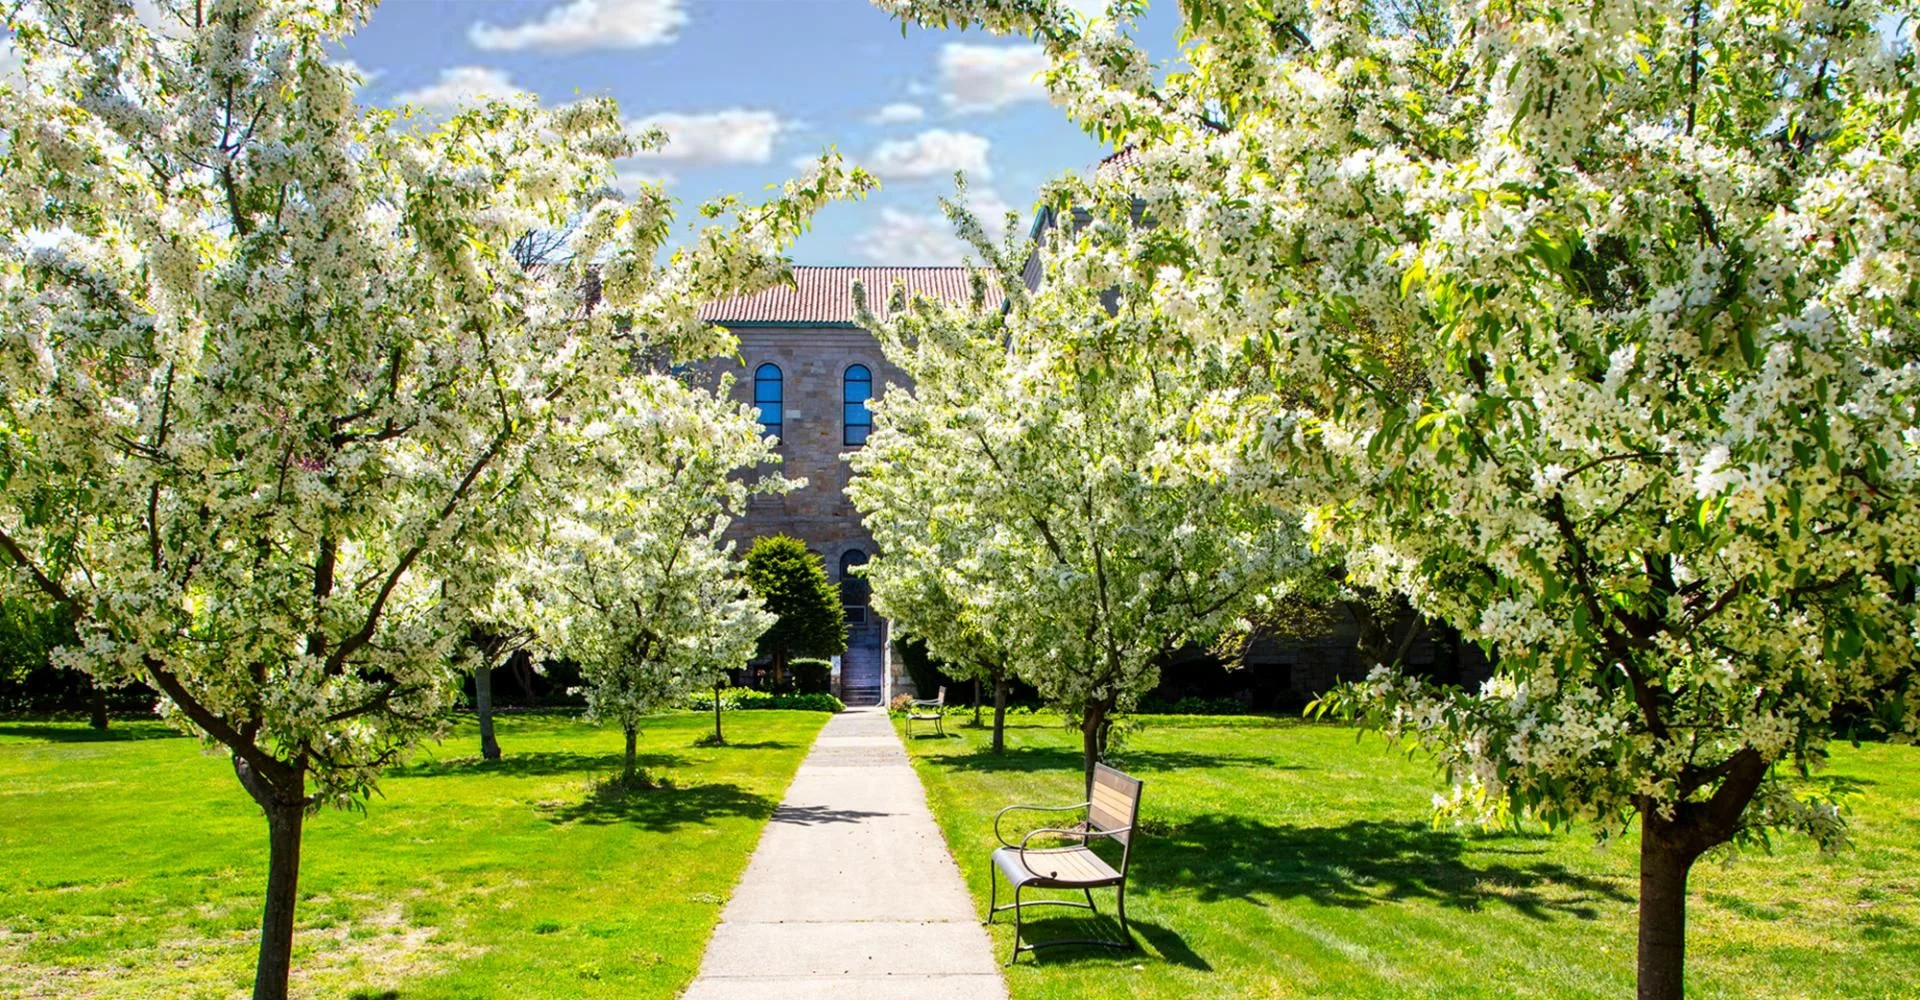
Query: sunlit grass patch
x=133 y=866
x=1282 y=859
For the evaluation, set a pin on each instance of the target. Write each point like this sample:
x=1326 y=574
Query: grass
x=133 y=866
x=1284 y=859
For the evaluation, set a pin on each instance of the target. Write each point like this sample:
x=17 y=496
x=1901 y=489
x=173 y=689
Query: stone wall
x=813 y=362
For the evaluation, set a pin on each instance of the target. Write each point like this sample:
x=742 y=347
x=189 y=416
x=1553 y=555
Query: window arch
x=853 y=588
x=769 y=393
x=858 y=419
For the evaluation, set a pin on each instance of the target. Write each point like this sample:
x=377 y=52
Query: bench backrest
x=1115 y=802
x=941 y=698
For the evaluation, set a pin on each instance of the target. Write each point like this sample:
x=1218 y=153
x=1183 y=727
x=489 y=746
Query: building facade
x=809 y=369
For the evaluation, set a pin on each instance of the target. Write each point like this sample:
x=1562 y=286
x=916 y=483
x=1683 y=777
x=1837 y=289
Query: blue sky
x=747 y=87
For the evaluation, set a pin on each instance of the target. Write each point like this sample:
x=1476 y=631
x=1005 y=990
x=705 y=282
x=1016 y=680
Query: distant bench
x=938 y=715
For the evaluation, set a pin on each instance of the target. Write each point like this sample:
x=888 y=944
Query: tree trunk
x=1663 y=910
x=779 y=666
x=97 y=706
x=523 y=672
x=286 y=810
x=483 y=706
x=976 y=703
x=1093 y=739
x=717 y=737
x=1000 y=712
x=626 y=773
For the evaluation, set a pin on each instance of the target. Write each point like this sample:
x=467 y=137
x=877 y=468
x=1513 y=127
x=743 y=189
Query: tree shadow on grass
x=1359 y=864
x=538 y=764
x=80 y=733
x=1031 y=759
x=661 y=810
x=755 y=745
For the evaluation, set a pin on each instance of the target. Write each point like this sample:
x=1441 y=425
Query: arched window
x=858 y=418
x=853 y=587
x=767 y=398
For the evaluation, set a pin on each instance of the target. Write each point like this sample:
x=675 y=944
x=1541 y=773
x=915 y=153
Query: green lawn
x=133 y=866
x=1286 y=859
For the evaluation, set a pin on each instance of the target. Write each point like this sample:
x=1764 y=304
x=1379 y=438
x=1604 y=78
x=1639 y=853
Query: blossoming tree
x=1591 y=330
x=647 y=595
x=928 y=578
x=266 y=365
x=1044 y=438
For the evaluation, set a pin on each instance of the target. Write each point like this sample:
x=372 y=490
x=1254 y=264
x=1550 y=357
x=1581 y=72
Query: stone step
x=861 y=695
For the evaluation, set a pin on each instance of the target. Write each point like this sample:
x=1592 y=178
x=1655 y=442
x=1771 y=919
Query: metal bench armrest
x=997 y=816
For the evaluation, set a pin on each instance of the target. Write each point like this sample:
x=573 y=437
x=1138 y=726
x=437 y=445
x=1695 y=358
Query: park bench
x=1110 y=813
x=938 y=715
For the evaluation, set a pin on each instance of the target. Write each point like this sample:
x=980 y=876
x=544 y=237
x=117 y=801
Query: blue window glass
x=768 y=395
x=853 y=587
x=857 y=418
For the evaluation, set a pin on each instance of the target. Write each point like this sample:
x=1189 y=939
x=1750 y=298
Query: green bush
x=811 y=676
x=735 y=699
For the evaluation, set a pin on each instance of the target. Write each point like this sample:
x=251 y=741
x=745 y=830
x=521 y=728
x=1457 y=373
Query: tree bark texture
x=1669 y=845
x=1000 y=712
x=483 y=706
x=1093 y=739
x=718 y=737
x=1663 y=912
x=626 y=773
x=286 y=811
x=97 y=708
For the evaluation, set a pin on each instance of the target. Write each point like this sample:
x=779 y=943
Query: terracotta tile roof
x=1119 y=162
x=824 y=295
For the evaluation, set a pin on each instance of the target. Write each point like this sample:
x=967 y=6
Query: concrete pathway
x=851 y=892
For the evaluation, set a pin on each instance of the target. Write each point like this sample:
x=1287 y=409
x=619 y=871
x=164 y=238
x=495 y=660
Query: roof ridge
x=823 y=293
x=881 y=267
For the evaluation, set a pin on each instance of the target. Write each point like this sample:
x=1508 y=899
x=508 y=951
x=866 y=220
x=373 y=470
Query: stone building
x=810 y=370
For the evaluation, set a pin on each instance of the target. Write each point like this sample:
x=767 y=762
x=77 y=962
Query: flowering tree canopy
x=1592 y=330
x=267 y=368
x=918 y=486
x=1046 y=440
x=647 y=596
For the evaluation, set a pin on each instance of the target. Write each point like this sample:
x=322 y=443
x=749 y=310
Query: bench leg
x=1018 y=925
x=993 y=892
x=1089 y=895
x=1124 y=932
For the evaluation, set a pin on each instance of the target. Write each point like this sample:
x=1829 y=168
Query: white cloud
x=630 y=181
x=975 y=78
x=736 y=135
x=588 y=24
x=459 y=85
x=897 y=112
x=933 y=153
x=900 y=237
